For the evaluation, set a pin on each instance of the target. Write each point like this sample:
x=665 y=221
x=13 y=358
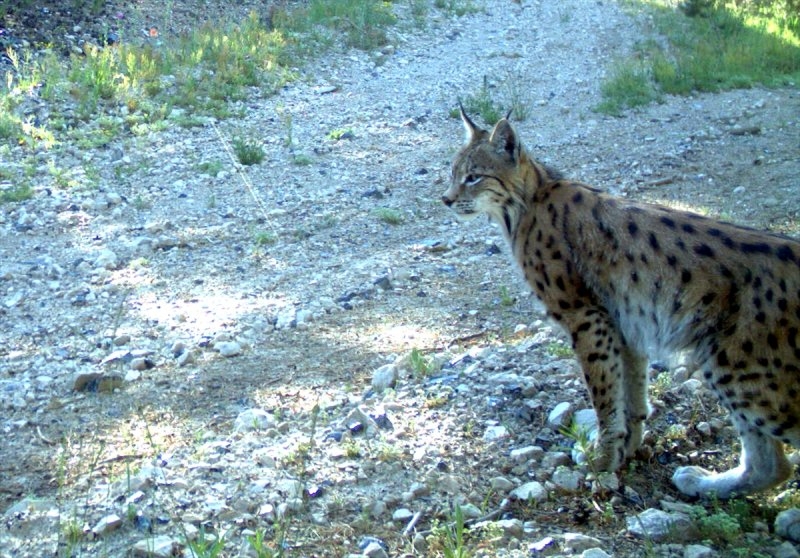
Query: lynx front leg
x=603 y=354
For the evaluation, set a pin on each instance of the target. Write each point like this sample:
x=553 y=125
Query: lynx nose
x=447 y=201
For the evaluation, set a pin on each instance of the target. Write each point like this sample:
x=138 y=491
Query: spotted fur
x=632 y=282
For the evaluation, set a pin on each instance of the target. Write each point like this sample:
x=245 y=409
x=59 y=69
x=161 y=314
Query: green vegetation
x=184 y=81
x=16 y=194
x=711 y=45
x=248 y=152
x=389 y=216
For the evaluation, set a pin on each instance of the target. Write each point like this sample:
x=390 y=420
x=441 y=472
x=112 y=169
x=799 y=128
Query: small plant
x=421 y=365
x=583 y=441
x=456 y=7
x=264 y=238
x=483 y=104
x=16 y=194
x=450 y=539
x=389 y=216
x=210 y=167
x=718 y=527
x=340 y=134
x=206 y=547
x=506 y=298
x=558 y=349
x=248 y=152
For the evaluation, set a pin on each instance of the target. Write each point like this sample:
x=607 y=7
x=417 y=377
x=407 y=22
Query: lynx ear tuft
x=505 y=141
x=472 y=130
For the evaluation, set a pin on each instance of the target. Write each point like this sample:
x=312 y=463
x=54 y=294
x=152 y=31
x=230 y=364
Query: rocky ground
x=198 y=351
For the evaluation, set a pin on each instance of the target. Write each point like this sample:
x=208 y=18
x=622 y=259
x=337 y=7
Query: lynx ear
x=505 y=141
x=472 y=130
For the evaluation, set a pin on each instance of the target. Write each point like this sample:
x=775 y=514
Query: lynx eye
x=472 y=179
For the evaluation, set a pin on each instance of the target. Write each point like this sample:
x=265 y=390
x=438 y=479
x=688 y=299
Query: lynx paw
x=696 y=481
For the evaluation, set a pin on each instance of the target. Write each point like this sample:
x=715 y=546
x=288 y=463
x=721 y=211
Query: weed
x=248 y=152
x=210 y=167
x=206 y=546
x=506 y=298
x=340 y=134
x=661 y=385
x=558 y=349
x=450 y=539
x=389 y=216
x=421 y=365
x=483 y=104
x=16 y=194
x=718 y=527
x=264 y=238
x=457 y=7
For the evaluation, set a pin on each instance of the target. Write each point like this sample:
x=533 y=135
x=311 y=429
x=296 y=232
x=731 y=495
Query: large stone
x=658 y=526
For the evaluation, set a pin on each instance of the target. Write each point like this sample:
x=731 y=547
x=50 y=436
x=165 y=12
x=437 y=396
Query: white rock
x=533 y=490
x=511 y=527
x=493 y=433
x=375 y=550
x=253 y=419
x=595 y=553
x=402 y=515
x=228 y=348
x=106 y=259
x=521 y=455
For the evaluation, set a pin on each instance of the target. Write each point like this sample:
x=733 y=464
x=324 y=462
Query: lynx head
x=488 y=172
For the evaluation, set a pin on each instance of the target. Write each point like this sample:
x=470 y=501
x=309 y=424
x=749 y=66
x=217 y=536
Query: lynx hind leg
x=762 y=465
x=637 y=406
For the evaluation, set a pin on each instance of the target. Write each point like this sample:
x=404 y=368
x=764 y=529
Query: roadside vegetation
x=707 y=46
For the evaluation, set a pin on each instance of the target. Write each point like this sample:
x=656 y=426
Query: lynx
x=631 y=282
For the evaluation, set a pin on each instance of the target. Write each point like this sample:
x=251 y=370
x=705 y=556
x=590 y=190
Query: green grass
x=721 y=46
x=389 y=216
x=248 y=152
x=198 y=73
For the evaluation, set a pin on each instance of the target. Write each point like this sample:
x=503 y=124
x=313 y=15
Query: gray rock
x=501 y=484
x=567 y=479
x=577 y=542
x=595 y=553
x=106 y=259
x=384 y=378
x=375 y=550
x=698 y=551
x=786 y=550
x=787 y=524
x=511 y=527
x=560 y=416
x=533 y=490
x=160 y=546
x=659 y=526
x=106 y=525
